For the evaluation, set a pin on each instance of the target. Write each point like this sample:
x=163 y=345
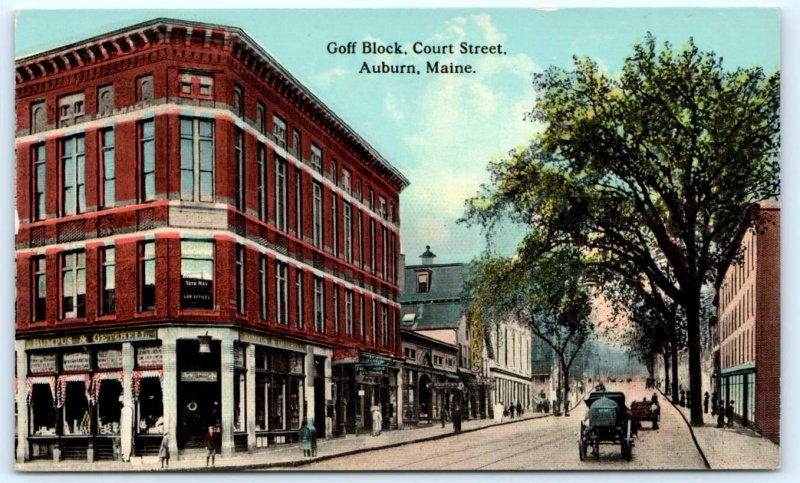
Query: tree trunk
x=692 y=309
x=673 y=358
x=666 y=369
x=566 y=388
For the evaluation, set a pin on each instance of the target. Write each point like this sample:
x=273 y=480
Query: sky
x=440 y=131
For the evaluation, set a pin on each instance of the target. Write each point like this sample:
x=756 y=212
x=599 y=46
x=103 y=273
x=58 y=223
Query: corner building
x=201 y=242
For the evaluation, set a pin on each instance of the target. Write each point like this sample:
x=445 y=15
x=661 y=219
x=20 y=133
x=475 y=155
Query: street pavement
x=539 y=444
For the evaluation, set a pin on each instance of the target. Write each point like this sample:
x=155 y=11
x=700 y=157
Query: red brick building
x=749 y=327
x=202 y=242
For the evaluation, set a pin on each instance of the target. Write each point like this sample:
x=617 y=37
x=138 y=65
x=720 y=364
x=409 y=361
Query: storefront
x=75 y=397
x=738 y=385
x=425 y=393
x=113 y=395
x=361 y=386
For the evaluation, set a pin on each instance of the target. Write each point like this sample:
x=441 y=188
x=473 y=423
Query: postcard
x=409 y=239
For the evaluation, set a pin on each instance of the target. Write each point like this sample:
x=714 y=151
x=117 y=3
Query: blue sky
x=441 y=131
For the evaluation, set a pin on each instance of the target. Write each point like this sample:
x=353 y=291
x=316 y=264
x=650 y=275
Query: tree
x=657 y=167
x=547 y=293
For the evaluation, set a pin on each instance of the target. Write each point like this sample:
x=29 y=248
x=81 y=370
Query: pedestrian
x=377 y=420
x=212 y=441
x=444 y=415
x=654 y=398
x=729 y=413
x=511 y=410
x=163 y=450
x=714 y=403
x=682 y=400
x=457 y=417
x=689 y=399
x=705 y=402
x=519 y=409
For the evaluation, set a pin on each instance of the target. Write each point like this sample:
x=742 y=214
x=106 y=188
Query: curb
x=691 y=430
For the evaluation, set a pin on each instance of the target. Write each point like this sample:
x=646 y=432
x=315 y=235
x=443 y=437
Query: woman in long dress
x=377 y=420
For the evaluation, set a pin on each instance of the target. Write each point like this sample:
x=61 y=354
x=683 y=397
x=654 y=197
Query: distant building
x=433 y=309
x=510 y=368
x=749 y=328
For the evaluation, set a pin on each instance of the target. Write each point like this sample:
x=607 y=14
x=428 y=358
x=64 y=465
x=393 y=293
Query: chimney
x=427 y=257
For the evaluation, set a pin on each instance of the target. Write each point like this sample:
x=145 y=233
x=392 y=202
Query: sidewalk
x=734 y=448
x=285 y=456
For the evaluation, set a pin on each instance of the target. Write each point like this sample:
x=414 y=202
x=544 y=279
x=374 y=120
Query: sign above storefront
x=77 y=361
x=99 y=338
x=371 y=369
x=42 y=364
x=199 y=376
x=447 y=385
x=109 y=359
x=148 y=356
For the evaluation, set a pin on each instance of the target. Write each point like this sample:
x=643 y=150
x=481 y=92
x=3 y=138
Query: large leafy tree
x=548 y=293
x=657 y=167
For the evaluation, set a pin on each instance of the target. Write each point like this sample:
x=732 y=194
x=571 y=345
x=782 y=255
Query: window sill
x=70 y=320
x=144 y=314
x=198 y=312
x=106 y=317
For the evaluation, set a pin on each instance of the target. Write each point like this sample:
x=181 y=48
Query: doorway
x=199 y=395
x=425 y=398
x=319 y=396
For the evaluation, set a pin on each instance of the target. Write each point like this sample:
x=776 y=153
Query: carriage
x=645 y=411
x=608 y=422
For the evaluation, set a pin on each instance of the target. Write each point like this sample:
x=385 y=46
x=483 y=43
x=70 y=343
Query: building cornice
x=162 y=30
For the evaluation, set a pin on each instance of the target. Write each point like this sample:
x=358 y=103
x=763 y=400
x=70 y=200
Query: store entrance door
x=199 y=395
x=319 y=396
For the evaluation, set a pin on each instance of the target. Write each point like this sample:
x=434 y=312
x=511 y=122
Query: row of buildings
x=203 y=242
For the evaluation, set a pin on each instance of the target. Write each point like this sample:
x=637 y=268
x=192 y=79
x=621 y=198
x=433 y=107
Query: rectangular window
x=385 y=325
x=335 y=222
x=240 y=170
x=279 y=131
x=319 y=305
x=238 y=101
x=360 y=227
x=105 y=100
x=261 y=117
x=197 y=274
x=384 y=252
x=297 y=147
x=374 y=320
x=348 y=232
x=334 y=172
x=281 y=293
x=73 y=284
x=107 y=164
x=346 y=180
x=280 y=193
x=422 y=282
x=240 y=279
x=73 y=160
x=262 y=182
x=39 y=289
x=348 y=313
x=39 y=181
x=197 y=159
x=147 y=161
x=316 y=157
x=262 y=286
x=108 y=285
x=298 y=297
x=147 y=276
x=71 y=110
x=361 y=317
x=298 y=202
x=317 y=215
x=382 y=207
x=372 y=245
x=336 y=308
x=371 y=199
x=38 y=116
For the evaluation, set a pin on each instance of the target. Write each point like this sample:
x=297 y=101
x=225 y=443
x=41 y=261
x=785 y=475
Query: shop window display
x=42 y=410
x=149 y=408
x=77 y=419
x=109 y=406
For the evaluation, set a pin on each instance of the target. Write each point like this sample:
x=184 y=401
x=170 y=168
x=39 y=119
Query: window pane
x=187 y=154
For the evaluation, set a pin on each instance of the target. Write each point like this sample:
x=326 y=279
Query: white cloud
x=325 y=78
x=456 y=127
